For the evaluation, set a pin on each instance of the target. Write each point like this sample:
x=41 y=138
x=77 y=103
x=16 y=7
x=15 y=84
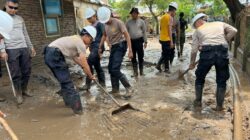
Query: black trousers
x=94 y=62
x=137 y=48
x=213 y=56
x=165 y=54
x=19 y=61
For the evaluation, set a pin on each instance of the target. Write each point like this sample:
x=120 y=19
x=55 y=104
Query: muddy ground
x=166 y=103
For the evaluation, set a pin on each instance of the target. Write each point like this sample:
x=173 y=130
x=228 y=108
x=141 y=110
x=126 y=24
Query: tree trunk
x=156 y=20
x=234 y=7
x=150 y=7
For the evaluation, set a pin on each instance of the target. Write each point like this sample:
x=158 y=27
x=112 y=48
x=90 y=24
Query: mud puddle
x=167 y=104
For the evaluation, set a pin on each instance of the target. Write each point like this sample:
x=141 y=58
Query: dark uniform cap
x=134 y=10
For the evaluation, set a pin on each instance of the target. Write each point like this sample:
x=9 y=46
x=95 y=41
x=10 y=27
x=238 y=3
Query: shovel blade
x=123 y=108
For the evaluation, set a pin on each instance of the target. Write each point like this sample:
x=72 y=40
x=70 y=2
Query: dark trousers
x=182 y=41
x=55 y=60
x=94 y=62
x=137 y=48
x=19 y=61
x=213 y=56
x=117 y=53
x=172 y=50
x=165 y=55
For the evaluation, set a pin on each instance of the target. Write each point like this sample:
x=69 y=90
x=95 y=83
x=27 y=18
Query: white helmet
x=89 y=13
x=91 y=30
x=103 y=14
x=6 y=24
x=198 y=16
x=174 y=4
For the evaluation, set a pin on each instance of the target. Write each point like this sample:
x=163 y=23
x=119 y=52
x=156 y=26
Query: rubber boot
x=19 y=96
x=101 y=79
x=158 y=65
x=198 y=95
x=115 y=86
x=141 y=69
x=220 y=95
x=75 y=103
x=135 y=68
x=127 y=85
x=167 y=67
x=87 y=84
x=25 y=90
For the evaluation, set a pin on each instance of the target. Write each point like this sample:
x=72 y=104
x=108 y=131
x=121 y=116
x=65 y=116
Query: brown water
x=167 y=104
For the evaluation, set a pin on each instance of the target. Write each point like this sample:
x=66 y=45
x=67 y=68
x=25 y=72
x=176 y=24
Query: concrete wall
x=80 y=7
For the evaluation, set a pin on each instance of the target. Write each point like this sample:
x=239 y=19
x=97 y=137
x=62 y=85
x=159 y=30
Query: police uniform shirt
x=70 y=46
x=213 y=33
x=115 y=30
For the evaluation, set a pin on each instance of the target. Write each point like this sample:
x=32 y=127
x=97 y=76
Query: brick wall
x=31 y=11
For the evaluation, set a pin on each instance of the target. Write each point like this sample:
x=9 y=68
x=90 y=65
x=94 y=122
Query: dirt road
x=167 y=104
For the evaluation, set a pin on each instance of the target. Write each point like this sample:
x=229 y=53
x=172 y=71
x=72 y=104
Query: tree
x=123 y=7
x=156 y=8
x=235 y=7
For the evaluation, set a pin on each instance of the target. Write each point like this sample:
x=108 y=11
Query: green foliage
x=123 y=7
x=189 y=7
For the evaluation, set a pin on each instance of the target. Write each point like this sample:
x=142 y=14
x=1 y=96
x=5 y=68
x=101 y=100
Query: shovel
x=12 y=85
x=7 y=127
x=120 y=108
x=186 y=71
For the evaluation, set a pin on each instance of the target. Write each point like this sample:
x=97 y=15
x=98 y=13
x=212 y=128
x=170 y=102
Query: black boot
x=101 y=79
x=19 y=95
x=220 y=95
x=115 y=86
x=158 y=65
x=25 y=90
x=135 y=68
x=127 y=85
x=198 y=95
x=141 y=69
x=167 y=66
x=87 y=84
x=75 y=103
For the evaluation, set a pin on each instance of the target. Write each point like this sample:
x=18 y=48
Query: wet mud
x=165 y=100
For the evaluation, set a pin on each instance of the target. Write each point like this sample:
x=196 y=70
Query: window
x=52 y=7
x=52 y=26
x=51 y=10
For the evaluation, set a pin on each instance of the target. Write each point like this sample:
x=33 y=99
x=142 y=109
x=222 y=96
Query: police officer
x=211 y=39
x=137 y=30
x=93 y=58
x=119 y=39
x=6 y=25
x=70 y=47
x=20 y=50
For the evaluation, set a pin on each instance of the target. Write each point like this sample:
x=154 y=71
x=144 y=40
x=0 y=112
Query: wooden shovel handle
x=8 y=129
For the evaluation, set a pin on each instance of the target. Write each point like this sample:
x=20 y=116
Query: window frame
x=47 y=35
